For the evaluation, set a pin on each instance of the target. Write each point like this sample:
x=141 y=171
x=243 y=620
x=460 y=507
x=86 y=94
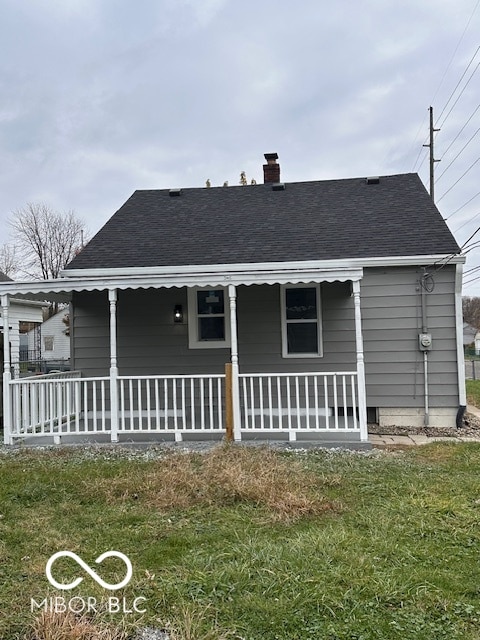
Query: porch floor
x=201 y=441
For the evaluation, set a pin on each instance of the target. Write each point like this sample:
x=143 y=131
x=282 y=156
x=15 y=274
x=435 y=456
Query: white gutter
x=254 y=267
x=63 y=286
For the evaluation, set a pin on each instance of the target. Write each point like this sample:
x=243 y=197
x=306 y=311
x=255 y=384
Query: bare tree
x=471 y=311
x=9 y=260
x=46 y=240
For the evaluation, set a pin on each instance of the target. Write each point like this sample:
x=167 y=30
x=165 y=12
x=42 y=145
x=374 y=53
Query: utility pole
x=432 y=157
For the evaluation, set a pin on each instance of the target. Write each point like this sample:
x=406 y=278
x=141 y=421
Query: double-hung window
x=208 y=319
x=301 y=321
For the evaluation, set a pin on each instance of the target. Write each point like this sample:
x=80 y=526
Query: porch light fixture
x=178 y=313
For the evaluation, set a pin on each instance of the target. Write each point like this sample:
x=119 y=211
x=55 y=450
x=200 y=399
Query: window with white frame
x=208 y=319
x=48 y=343
x=301 y=321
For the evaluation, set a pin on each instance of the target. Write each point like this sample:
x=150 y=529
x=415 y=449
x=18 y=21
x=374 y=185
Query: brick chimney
x=271 y=170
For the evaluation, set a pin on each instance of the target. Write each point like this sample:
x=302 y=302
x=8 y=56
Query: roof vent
x=278 y=186
x=372 y=180
x=174 y=192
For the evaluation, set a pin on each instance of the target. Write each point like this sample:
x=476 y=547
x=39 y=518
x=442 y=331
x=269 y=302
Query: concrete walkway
x=415 y=440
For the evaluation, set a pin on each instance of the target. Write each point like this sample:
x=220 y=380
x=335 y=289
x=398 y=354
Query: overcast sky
x=102 y=97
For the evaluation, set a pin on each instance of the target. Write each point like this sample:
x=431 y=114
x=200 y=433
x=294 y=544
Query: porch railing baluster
x=281 y=402
x=335 y=399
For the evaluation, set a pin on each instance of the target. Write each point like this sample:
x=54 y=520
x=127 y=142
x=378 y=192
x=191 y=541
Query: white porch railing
x=59 y=404
x=303 y=402
x=64 y=404
x=171 y=404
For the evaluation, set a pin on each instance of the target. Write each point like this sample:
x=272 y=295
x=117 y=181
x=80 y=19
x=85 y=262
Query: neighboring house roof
x=321 y=220
x=4 y=278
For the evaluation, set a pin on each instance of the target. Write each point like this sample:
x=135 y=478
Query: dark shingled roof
x=322 y=220
x=4 y=278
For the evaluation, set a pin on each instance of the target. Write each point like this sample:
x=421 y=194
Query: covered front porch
x=242 y=401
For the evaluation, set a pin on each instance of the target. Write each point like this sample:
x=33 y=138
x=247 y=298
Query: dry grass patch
x=224 y=476
x=69 y=626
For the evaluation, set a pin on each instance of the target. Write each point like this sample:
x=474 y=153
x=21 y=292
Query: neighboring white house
x=54 y=343
x=21 y=311
x=471 y=335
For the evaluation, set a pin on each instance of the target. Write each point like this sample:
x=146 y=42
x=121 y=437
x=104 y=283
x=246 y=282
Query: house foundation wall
x=412 y=417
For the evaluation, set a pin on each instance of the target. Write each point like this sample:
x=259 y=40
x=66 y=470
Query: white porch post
x=362 y=393
x=232 y=294
x=7 y=374
x=112 y=297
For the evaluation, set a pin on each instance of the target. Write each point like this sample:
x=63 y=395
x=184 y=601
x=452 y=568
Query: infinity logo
x=89 y=570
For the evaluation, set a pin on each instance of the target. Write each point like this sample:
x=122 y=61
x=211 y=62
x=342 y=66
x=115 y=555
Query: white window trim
x=283 y=308
x=46 y=341
x=192 y=319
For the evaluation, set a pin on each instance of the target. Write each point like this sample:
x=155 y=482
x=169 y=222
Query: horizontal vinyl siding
x=392 y=320
x=149 y=342
x=90 y=331
x=260 y=331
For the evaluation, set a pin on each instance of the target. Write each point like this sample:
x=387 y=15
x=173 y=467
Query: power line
x=455 y=53
x=468 y=272
x=441 y=83
x=467 y=222
x=461 y=130
x=456 y=87
x=458 y=154
x=462 y=176
x=463 y=205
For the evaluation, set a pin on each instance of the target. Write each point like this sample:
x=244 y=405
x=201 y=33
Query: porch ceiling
x=60 y=290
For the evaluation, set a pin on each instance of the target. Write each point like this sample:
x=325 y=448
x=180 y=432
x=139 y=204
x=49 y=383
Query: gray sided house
x=281 y=310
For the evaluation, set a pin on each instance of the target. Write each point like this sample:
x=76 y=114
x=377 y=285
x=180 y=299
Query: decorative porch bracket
x=362 y=394
x=232 y=294
x=112 y=297
x=7 y=374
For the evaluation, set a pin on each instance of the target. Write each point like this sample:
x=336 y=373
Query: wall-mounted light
x=178 y=313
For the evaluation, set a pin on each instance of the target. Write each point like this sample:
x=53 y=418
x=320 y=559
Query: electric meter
x=425 y=341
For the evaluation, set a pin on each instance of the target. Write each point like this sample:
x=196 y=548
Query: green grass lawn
x=473 y=392
x=247 y=543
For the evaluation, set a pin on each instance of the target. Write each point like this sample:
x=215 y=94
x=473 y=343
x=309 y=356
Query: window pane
x=302 y=337
x=211 y=329
x=210 y=302
x=301 y=303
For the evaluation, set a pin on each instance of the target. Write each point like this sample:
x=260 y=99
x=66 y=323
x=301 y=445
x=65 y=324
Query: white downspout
x=112 y=297
x=362 y=393
x=232 y=294
x=7 y=373
x=423 y=294
x=462 y=393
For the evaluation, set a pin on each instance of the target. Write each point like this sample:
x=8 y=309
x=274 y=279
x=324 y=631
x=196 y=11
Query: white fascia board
x=347 y=263
x=23 y=302
x=199 y=279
